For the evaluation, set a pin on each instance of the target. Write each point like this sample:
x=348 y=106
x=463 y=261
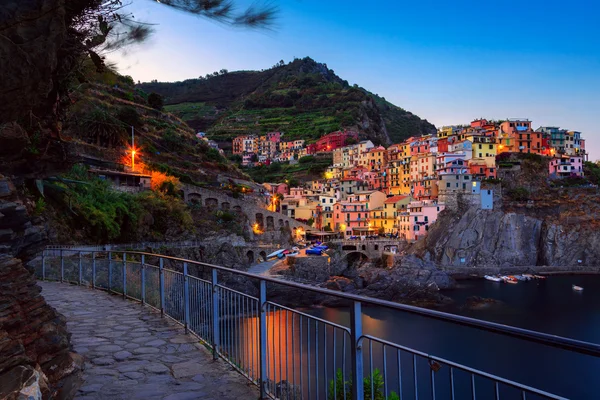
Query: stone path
x=132 y=353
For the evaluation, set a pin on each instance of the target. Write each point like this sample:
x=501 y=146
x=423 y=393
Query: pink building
x=274 y=137
x=414 y=224
x=562 y=167
x=350 y=215
x=281 y=188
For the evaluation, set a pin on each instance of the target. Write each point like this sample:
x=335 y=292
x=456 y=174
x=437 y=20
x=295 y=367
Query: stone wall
x=313 y=269
x=254 y=210
x=35 y=357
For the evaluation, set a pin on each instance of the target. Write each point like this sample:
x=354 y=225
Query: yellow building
x=387 y=216
x=485 y=149
x=377 y=159
x=444 y=132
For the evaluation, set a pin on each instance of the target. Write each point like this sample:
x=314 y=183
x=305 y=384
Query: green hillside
x=99 y=123
x=304 y=99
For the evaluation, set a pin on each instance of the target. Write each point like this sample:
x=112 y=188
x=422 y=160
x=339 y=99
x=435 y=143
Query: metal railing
x=285 y=352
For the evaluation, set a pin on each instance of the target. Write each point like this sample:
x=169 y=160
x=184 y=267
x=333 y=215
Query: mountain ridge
x=304 y=99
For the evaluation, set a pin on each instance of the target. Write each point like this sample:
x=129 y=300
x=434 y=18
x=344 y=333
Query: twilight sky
x=447 y=61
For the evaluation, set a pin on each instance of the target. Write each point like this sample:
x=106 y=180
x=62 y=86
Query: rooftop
x=395 y=199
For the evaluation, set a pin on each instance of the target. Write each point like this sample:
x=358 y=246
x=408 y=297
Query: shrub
x=155 y=101
x=338 y=386
x=130 y=117
x=518 y=194
x=39 y=207
x=307 y=159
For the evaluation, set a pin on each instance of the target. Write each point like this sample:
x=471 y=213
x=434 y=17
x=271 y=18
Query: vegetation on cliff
x=304 y=99
x=83 y=208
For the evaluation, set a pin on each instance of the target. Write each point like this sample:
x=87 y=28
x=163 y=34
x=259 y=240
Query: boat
x=521 y=278
x=281 y=255
x=509 y=279
x=539 y=277
x=312 y=251
x=577 y=288
x=275 y=253
x=529 y=276
x=292 y=254
x=493 y=278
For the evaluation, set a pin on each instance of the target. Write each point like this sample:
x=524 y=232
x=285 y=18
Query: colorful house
x=565 y=166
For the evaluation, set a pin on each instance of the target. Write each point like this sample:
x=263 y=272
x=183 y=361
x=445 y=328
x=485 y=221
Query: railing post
x=80 y=270
x=124 y=275
x=93 y=270
x=356 y=350
x=44 y=265
x=186 y=298
x=215 y=315
x=161 y=284
x=262 y=334
x=143 y=269
x=62 y=267
x=110 y=271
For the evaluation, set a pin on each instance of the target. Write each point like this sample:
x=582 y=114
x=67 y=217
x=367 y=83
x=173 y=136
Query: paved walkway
x=132 y=353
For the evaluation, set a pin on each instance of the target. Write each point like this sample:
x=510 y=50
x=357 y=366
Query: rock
x=156 y=368
x=23 y=382
x=187 y=369
x=134 y=375
x=103 y=361
x=478 y=303
x=146 y=350
x=93 y=388
x=285 y=390
x=34 y=342
x=122 y=355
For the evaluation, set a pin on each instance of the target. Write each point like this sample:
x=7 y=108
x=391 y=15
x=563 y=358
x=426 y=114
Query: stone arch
x=195 y=198
x=376 y=247
x=263 y=255
x=280 y=223
x=364 y=247
x=212 y=203
x=237 y=209
x=250 y=256
x=270 y=223
x=225 y=206
x=287 y=224
x=260 y=220
x=355 y=256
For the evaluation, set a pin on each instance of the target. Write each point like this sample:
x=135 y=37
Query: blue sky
x=448 y=62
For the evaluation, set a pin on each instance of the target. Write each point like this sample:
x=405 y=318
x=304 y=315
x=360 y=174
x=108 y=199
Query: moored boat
x=509 y=279
x=275 y=253
x=577 y=288
x=493 y=278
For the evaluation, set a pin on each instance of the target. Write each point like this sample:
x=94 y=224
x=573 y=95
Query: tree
x=45 y=67
x=155 y=101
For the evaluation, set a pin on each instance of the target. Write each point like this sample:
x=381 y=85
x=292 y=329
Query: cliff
x=35 y=357
x=561 y=232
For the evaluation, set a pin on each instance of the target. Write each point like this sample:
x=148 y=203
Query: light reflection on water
x=304 y=355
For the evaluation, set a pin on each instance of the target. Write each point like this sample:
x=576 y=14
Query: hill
x=304 y=99
x=99 y=123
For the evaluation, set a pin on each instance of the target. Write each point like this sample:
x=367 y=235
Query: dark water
x=549 y=306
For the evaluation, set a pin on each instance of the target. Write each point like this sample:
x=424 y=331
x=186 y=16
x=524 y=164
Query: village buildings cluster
x=270 y=148
x=400 y=190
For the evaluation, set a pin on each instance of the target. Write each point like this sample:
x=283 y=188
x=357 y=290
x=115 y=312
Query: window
x=491 y=147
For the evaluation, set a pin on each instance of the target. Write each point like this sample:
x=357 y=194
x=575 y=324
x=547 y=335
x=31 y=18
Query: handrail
x=555 y=341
